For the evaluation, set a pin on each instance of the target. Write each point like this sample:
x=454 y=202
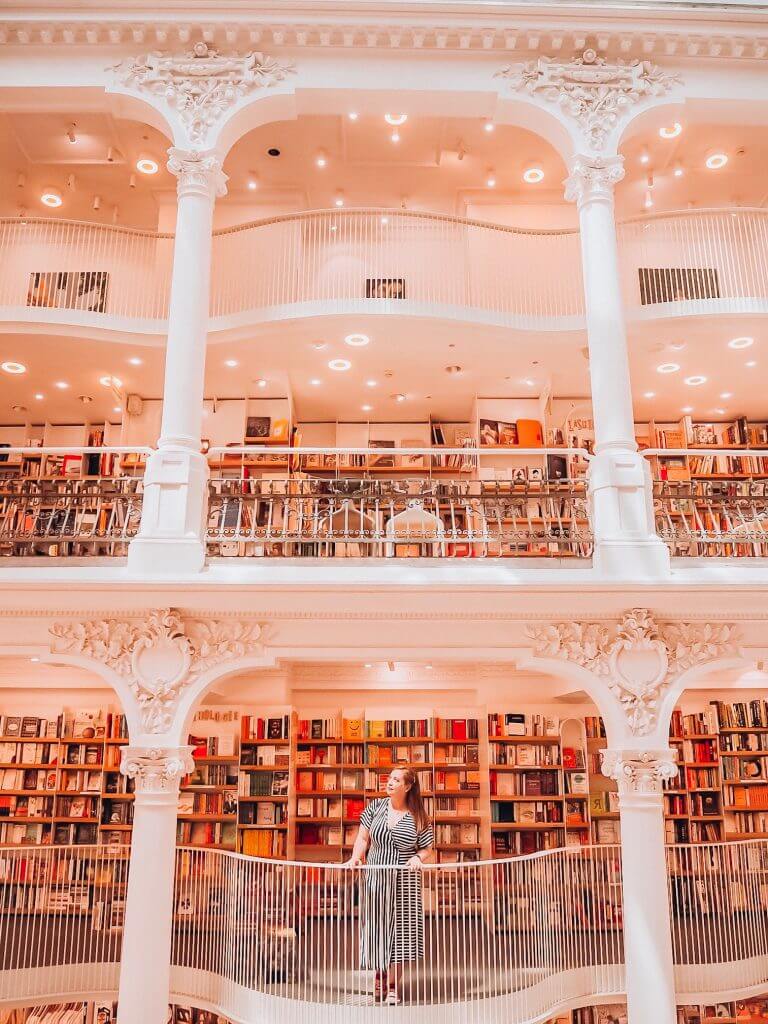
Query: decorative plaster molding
x=198 y=171
x=159 y=655
x=638 y=657
x=156 y=770
x=593 y=178
x=594 y=93
x=201 y=85
x=639 y=771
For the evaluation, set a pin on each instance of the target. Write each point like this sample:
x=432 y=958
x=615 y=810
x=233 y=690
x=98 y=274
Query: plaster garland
x=592 y=92
x=201 y=85
x=156 y=769
x=638 y=657
x=639 y=771
x=160 y=655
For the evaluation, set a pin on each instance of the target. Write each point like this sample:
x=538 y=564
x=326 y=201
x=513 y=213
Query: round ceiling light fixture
x=670 y=131
x=261 y=383
x=395 y=119
x=339 y=365
x=353 y=115
x=399 y=398
x=11 y=367
x=231 y=363
x=533 y=175
x=695 y=380
x=135 y=361
x=649 y=394
x=357 y=340
x=51 y=197
x=489 y=126
x=110 y=382
x=147 y=165
x=62 y=385
x=744 y=342
x=716 y=160
x=668 y=368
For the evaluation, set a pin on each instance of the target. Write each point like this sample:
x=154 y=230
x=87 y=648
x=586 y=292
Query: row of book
x=207 y=803
x=463 y=834
x=746 y=797
x=523 y=755
x=530 y=783
x=222 y=745
x=12 y=753
x=702 y=723
x=252 y=727
x=746 y=741
x=741 y=714
x=518 y=724
x=266 y=754
x=457 y=753
x=750 y=823
x=263 y=813
x=529 y=812
x=207 y=833
x=79 y=724
x=456 y=729
x=263 y=784
x=517 y=844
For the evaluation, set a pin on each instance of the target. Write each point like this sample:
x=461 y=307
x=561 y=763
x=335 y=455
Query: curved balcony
x=78 y=275
x=515 y=939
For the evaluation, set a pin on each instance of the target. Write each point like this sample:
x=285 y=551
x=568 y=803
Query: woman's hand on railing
x=353 y=862
x=416 y=863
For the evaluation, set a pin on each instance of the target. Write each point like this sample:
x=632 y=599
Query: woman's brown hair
x=413 y=799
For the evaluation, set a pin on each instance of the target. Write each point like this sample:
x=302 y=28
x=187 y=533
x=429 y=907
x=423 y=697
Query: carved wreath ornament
x=594 y=93
x=638 y=657
x=201 y=85
x=159 y=655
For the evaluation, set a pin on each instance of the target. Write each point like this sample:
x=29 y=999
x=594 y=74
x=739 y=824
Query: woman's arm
x=421 y=857
x=360 y=848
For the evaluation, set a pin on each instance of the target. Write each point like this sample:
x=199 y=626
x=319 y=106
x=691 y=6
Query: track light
x=71 y=133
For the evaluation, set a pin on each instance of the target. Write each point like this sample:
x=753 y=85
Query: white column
x=173 y=520
x=620 y=485
x=647 y=931
x=146 y=960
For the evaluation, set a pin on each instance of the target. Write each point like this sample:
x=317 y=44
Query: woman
x=393 y=831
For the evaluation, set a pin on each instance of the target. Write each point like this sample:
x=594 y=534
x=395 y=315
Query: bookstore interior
x=382 y=419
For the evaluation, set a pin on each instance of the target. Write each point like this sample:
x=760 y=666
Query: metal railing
x=719 y=901
x=714 y=514
x=696 y=261
x=65 y=267
x=61 y=919
x=65 y=509
x=404 y=502
x=398 y=261
x=492 y=941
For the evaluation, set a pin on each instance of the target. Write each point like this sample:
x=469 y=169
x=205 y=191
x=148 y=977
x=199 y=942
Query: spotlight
x=147 y=165
x=51 y=197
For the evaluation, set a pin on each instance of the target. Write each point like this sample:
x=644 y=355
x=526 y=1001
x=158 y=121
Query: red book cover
x=459 y=729
x=569 y=757
x=199 y=746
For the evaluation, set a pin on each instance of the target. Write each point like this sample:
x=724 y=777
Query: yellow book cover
x=353 y=730
x=377 y=730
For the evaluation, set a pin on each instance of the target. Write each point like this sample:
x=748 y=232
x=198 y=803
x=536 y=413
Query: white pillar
x=146 y=961
x=173 y=520
x=647 y=930
x=620 y=485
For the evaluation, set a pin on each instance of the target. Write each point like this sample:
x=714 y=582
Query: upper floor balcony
x=80 y=276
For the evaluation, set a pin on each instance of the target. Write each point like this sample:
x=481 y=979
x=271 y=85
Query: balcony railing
x=404 y=502
x=502 y=940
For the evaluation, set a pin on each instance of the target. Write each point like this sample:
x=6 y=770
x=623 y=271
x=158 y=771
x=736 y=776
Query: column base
x=171 y=539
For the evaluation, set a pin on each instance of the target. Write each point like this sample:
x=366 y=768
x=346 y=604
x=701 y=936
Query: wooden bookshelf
x=208 y=808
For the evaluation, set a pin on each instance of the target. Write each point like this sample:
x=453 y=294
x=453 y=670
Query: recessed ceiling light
x=339 y=365
x=11 y=367
x=716 y=160
x=315 y=382
x=62 y=385
x=117 y=408
x=252 y=184
x=453 y=369
x=751 y=363
x=489 y=126
x=39 y=396
x=695 y=380
x=744 y=342
x=366 y=408
x=357 y=340
x=529 y=383
x=727 y=394
x=72 y=138
x=533 y=175
x=51 y=197
x=644 y=156
x=395 y=119
x=668 y=368
x=261 y=383
x=147 y=165
x=231 y=362
x=670 y=131
x=34 y=658
x=720 y=412
x=395 y=136
x=399 y=398
x=677 y=346
x=321 y=160
x=368 y=665
x=371 y=383
x=319 y=345
x=490 y=181
x=687 y=408
x=135 y=361
x=110 y=382
x=649 y=394
x=339 y=201
x=353 y=115
x=678 y=170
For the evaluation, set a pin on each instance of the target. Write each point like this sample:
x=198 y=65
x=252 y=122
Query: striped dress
x=392 y=918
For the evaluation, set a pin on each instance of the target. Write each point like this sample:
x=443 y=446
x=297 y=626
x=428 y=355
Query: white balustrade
x=695 y=261
x=77 y=272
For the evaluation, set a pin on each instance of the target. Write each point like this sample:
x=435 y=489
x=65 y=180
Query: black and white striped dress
x=392 y=918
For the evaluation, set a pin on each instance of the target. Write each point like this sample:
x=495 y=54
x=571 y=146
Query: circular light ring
x=357 y=340
x=11 y=367
x=695 y=380
x=668 y=368
x=51 y=198
x=146 y=165
x=670 y=131
x=395 y=119
x=533 y=175
x=716 y=160
x=339 y=365
x=743 y=342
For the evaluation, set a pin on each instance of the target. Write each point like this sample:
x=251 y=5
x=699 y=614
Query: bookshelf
x=263 y=790
x=744 y=1011
x=743 y=731
x=460 y=831
x=208 y=807
x=693 y=802
x=320 y=805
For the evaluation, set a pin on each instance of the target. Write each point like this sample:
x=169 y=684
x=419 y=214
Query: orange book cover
x=305 y=781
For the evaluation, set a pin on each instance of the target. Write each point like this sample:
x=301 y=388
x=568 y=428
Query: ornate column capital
x=157 y=770
x=198 y=172
x=593 y=179
x=639 y=771
x=638 y=657
x=159 y=654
